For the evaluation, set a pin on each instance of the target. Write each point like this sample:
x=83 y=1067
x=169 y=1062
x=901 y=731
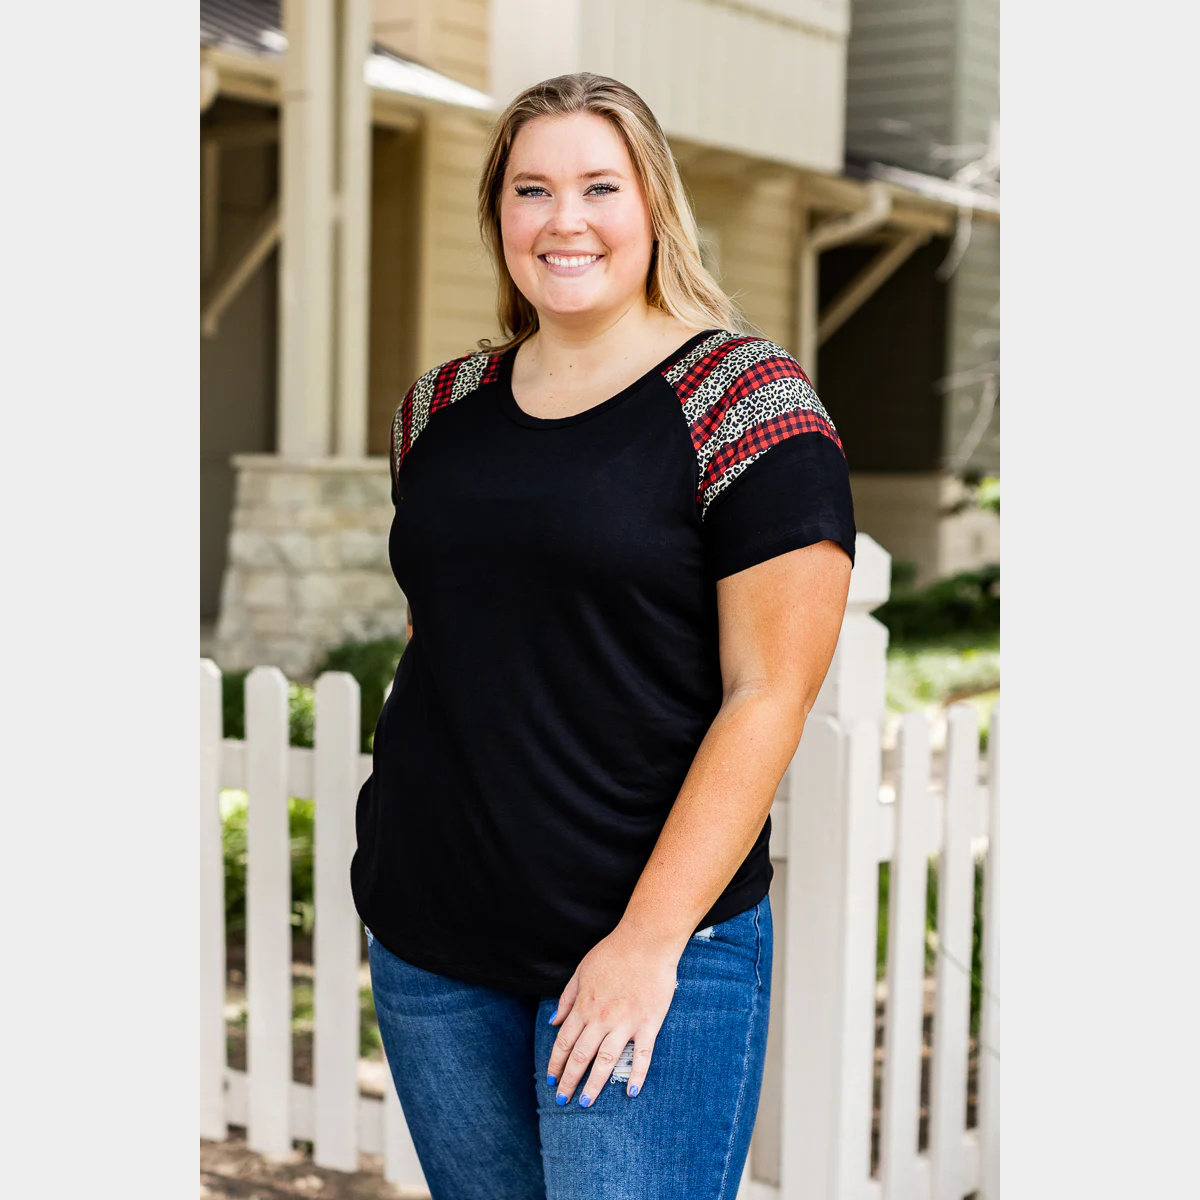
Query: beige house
x=340 y=151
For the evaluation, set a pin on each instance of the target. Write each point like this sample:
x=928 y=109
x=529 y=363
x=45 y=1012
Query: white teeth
x=577 y=261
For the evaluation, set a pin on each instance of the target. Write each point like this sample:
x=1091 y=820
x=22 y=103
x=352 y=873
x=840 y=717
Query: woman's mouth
x=569 y=264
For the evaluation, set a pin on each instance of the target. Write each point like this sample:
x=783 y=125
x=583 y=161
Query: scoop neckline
x=512 y=409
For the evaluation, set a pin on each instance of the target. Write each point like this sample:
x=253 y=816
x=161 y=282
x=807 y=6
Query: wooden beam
x=866 y=283
x=240 y=133
x=210 y=85
x=233 y=275
x=210 y=205
x=807 y=277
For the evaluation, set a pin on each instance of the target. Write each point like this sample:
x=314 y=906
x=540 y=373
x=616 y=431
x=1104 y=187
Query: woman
x=626 y=537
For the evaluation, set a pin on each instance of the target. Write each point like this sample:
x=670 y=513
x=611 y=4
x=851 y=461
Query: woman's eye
x=529 y=188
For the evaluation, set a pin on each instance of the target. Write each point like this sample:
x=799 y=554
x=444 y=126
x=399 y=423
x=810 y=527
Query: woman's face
x=570 y=190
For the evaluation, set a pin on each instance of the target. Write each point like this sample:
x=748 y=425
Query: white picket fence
x=833 y=824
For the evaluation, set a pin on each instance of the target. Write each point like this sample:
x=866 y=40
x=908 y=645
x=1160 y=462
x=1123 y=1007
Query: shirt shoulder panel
x=435 y=389
x=741 y=395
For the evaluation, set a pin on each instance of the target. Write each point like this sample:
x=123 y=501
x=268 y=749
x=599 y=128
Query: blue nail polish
x=560 y=1099
x=633 y=1091
x=551 y=1021
x=551 y=1080
x=584 y=1100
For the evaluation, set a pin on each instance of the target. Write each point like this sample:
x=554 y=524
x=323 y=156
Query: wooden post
x=306 y=254
x=827 y=998
x=948 y=1080
x=336 y=935
x=989 y=1024
x=855 y=686
x=808 y=265
x=212 y=911
x=268 y=923
x=354 y=217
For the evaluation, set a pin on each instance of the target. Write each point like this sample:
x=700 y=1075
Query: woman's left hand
x=620 y=992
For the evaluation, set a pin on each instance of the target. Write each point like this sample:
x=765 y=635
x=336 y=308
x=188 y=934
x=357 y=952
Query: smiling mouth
x=570 y=261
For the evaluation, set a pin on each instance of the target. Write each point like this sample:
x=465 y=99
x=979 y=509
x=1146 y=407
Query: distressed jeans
x=469 y=1063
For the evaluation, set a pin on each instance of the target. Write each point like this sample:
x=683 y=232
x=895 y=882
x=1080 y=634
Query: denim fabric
x=469 y=1064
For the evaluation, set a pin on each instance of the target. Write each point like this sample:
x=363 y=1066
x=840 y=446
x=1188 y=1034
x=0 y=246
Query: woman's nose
x=567 y=216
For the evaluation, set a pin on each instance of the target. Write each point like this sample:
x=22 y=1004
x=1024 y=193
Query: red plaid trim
x=786 y=422
x=444 y=377
x=762 y=437
x=696 y=374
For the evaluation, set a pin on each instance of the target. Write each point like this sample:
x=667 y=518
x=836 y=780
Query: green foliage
x=373 y=664
x=921 y=676
x=904 y=573
x=234 y=813
x=988 y=496
x=966 y=602
x=233 y=703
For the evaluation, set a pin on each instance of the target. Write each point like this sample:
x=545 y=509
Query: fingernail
x=551 y=1021
x=633 y=1091
x=561 y=1098
x=551 y=1080
x=584 y=1100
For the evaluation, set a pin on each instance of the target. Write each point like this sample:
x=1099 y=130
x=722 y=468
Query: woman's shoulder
x=726 y=362
x=452 y=379
x=746 y=379
x=741 y=395
x=434 y=389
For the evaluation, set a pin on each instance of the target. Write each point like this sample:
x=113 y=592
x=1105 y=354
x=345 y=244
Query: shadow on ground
x=231 y=1170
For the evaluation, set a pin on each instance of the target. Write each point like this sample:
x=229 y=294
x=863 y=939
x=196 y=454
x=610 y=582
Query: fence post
x=955 y=917
x=900 y=1117
x=856 y=684
x=212 y=911
x=336 y=935
x=828 y=950
x=989 y=1023
x=268 y=916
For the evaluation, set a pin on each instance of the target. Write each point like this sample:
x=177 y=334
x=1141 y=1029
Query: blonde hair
x=678 y=282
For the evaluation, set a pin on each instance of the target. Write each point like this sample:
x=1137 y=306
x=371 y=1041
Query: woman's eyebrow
x=521 y=176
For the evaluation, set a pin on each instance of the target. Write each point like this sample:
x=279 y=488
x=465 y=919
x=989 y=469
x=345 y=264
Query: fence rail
x=833 y=824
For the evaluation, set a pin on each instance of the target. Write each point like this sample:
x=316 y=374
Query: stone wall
x=307 y=565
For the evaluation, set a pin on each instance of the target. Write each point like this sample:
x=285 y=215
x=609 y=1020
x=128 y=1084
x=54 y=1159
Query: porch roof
x=243 y=41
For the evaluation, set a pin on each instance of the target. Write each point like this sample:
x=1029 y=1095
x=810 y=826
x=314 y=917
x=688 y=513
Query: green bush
x=373 y=664
x=966 y=602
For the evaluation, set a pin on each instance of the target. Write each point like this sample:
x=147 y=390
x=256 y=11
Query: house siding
x=900 y=64
x=450 y=36
x=458 y=283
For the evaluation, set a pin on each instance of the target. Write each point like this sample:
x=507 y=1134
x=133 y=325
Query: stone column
x=308 y=565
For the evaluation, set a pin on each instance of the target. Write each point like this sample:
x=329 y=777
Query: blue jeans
x=469 y=1064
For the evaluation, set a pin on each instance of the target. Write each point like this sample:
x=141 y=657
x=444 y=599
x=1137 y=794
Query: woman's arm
x=779 y=624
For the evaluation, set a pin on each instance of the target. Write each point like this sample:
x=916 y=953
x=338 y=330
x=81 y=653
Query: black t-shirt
x=564 y=665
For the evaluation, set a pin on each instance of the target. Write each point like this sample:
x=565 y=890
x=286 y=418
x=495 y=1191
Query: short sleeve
x=402 y=416
x=436 y=389
x=774 y=473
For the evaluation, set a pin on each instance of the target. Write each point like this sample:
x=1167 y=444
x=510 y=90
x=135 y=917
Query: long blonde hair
x=678 y=282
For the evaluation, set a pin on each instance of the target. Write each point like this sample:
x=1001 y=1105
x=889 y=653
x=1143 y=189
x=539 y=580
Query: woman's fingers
x=643 y=1050
x=569 y=1029
x=574 y=1048
x=610 y=1049
x=566 y=1004
x=566 y=1001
